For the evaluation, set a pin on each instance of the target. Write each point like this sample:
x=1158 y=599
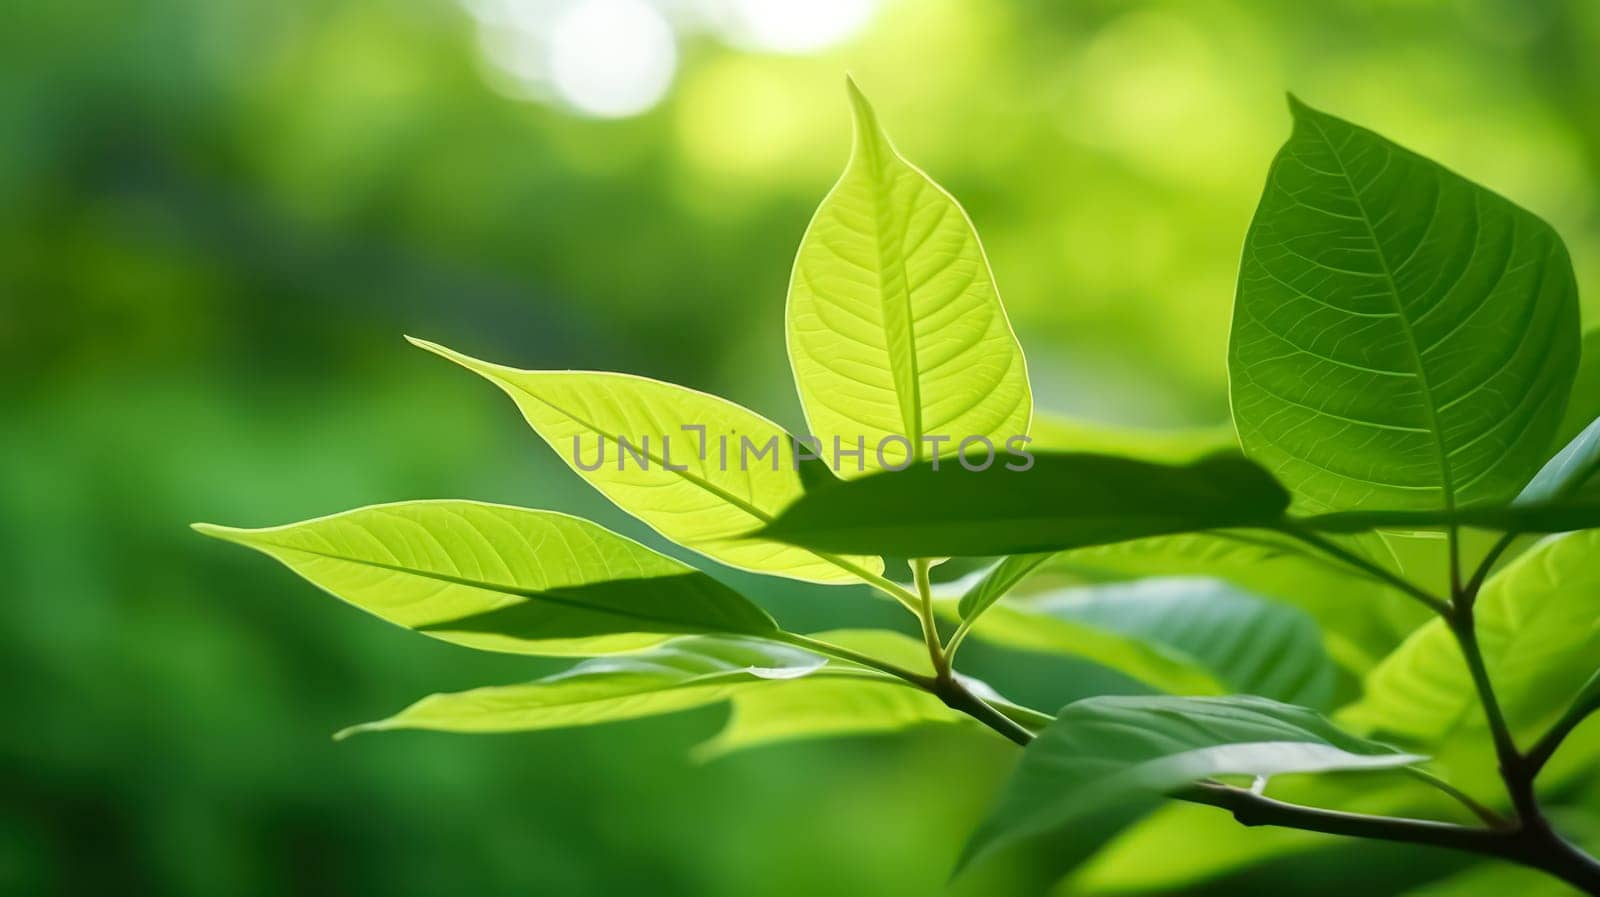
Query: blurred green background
x=217 y=217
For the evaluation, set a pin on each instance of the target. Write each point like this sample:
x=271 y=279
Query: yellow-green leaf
x=896 y=332
x=1539 y=629
x=705 y=489
x=680 y=674
x=503 y=579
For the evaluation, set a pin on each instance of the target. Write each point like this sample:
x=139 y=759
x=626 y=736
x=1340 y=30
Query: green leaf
x=1141 y=858
x=503 y=579
x=896 y=332
x=1539 y=629
x=1061 y=501
x=998 y=580
x=1559 y=515
x=1117 y=753
x=1273 y=567
x=679 y=674
x=821 y=706
x=1402 y=338
x=728 y=484
x=1183 y=635
x=1569 y=471
x=1054 y=432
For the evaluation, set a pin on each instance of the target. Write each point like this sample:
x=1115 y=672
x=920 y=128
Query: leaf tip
x=869 y=134
x=476 y=365
x=217 y=531
x=1298 y=108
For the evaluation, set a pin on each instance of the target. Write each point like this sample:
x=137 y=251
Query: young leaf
x=682 y=673
x=941 y=509
x=503 y=579
x=700 y=470
x=1402 y=338
x=896 y=332
x=1000 y=579
x=1183 y=635
x=1126 y=752
x=1539 y=631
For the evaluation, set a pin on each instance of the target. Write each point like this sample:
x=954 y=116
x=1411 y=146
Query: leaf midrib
x=1447 y=484
x=750 y=509
x=524 y=592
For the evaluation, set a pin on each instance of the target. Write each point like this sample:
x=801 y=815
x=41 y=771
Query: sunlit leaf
x=999 y=580
x=1119 y=752
x=1402 y=338
x=896 y=332
x=1061 y=501
x=700 y=470
x=1539 y=629
x=502 y=578
x=1182 y=635
x=679 y=674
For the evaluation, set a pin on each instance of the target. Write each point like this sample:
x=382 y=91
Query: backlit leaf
x=705 y=489
x=502 y=578
x=896 y=332
x=679 y=674
x=1539 y=629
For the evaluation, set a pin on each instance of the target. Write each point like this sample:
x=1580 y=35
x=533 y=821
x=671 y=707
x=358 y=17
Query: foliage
x=1403 y=352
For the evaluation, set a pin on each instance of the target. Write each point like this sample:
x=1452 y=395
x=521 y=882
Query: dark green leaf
x=1062 y=501
x=1266 y=564
x=1402 y=338
x=1185 y=635
x=1562 y=515
x=1116 y=752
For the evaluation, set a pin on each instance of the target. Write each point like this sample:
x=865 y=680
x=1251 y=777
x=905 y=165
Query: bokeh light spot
x=612 y=58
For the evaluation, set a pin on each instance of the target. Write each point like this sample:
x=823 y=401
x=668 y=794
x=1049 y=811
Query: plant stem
x=1489 y=817
x=881 y=583
x=829 y=649
x=1333 y=550
x=1546 y=747
x=1528 y=840
x=930 y=627
x=1486 y=566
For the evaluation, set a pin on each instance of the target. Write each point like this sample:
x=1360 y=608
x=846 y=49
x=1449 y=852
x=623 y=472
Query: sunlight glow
x=612 y=58
x=795 y=26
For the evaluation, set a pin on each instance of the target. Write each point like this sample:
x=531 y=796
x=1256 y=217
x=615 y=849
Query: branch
x=1360 y=563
